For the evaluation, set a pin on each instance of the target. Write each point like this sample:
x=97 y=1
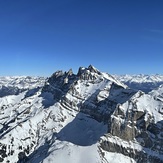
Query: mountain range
x=142 y=82
x=90 y=117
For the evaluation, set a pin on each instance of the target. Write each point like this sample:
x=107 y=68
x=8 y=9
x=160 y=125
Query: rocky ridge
x=87 y=111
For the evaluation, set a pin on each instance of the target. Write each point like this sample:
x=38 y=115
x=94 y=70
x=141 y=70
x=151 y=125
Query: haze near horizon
x=38 y=37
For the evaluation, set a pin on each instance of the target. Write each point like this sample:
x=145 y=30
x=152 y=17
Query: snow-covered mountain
x=88 y=117
x=142 y=82
x=13 y=85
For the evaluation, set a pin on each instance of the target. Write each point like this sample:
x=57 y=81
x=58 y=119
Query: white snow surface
x=22 y=82
x=142 y=82
x=141 y=78
x=58 y=132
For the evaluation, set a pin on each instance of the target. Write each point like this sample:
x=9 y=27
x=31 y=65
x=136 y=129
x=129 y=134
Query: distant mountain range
x=13 y=85
x=88 y=117
x=142 y=82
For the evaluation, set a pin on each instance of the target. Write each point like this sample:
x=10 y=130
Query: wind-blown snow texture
x=88 y=117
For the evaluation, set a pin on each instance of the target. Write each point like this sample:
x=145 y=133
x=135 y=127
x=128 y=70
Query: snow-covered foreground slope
x=142 y=82
x=88 y=117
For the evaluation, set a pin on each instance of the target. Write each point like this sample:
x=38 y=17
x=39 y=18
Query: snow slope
x=13 y=85
x=142 y=82
x=84 y=117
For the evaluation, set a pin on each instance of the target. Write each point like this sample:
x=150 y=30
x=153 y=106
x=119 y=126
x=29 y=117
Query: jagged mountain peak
x=89 y=113
x=84 y=73
x=89 y=70
x=93 y=69
x=63 y=82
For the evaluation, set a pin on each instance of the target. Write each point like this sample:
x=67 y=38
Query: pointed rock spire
x=93 y=69
x=70 y=72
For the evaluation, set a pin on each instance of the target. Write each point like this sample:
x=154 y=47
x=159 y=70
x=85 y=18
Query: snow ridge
x=142 y=82
x=87 y=117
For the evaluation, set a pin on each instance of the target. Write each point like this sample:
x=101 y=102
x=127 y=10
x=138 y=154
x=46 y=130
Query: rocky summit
x=89 y=117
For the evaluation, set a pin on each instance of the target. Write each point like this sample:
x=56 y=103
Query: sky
x=39 y=37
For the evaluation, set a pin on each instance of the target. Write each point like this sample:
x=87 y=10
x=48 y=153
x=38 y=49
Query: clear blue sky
x=38 y=37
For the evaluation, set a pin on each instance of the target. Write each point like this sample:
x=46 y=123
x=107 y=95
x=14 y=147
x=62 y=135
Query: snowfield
x=142 y=82
x=89 y=117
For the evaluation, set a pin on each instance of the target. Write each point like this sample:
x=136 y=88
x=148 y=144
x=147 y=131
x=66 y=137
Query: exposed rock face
x=127 y=119
x=135 y=123
x=99 y=96
x=75 y=110
x=131 y=149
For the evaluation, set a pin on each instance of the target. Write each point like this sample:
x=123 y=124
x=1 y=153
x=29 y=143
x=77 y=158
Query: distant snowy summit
x=10 y=85
x=142 y=82
x=13 y=85
x=68 y=116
